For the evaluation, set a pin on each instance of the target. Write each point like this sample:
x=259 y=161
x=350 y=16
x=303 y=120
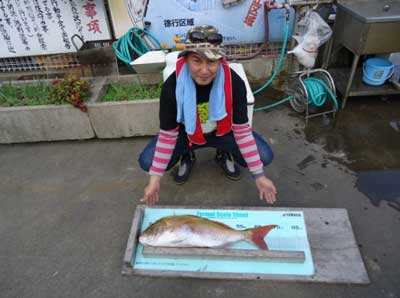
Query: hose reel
x=312 y=88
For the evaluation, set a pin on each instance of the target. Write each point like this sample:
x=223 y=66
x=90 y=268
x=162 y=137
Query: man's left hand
x=266 y=189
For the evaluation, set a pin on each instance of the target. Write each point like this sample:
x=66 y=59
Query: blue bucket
x=376 y=71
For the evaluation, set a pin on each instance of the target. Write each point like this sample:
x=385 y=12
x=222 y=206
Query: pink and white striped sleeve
x=247 y=145
x=164 y=148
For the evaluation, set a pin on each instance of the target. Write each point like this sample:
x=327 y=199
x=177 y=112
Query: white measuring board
x=290 y=235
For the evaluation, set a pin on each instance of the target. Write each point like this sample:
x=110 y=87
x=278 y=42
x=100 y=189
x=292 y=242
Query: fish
x=195 y=231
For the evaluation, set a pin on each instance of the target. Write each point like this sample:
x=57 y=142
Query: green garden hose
x=318 y=94
x=133 y=42
x=280 y=61
x=318 y=91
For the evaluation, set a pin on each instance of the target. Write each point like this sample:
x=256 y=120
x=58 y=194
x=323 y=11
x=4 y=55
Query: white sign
x=241 y=22
x=41 y=27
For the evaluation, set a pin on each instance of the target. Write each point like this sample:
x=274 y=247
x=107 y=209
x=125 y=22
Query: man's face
x=202 y=70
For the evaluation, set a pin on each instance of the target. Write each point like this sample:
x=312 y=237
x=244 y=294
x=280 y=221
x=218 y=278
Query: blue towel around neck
x=186 y=99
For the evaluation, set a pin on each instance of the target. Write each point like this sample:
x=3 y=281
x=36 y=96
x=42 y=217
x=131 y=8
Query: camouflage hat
x=205 y=41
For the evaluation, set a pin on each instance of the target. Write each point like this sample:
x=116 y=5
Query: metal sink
x=369 y=26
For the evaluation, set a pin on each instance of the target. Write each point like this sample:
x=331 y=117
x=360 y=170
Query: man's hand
x=266 y=188
x=152 y=191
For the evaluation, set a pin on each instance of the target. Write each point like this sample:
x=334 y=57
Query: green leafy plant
x=24 y=95
x=69 y=90
x=72 y=90
x=124 y=91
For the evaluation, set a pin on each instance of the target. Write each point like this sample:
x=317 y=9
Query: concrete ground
x=66 y=210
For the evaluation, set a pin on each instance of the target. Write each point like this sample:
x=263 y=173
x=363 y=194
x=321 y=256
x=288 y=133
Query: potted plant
x=127 y=106
x=42 y=111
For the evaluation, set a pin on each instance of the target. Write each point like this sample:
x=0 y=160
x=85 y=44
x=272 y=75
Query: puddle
x=367 y=132
x=366 y=138
x=380 y=186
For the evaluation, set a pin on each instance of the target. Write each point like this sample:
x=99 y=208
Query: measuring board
x=313 y=244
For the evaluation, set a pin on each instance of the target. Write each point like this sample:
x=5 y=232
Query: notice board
x=42 y=27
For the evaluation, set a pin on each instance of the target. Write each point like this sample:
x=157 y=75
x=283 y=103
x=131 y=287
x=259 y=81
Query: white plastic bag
x=313 y=32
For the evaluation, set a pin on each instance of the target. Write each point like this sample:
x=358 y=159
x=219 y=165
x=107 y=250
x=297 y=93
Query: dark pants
x=226 y=143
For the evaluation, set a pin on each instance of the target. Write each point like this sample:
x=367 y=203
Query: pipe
x=267 y=7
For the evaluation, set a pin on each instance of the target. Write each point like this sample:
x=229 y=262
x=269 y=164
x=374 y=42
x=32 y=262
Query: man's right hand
x=152 y=191
x=266 y=189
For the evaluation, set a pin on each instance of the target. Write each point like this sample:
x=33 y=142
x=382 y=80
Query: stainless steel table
x=364 y=27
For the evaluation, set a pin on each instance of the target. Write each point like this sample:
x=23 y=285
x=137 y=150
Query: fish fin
x=257 y=235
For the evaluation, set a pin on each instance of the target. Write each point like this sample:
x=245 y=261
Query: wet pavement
x=367 y=132
x=66 y=207
x=366 y=137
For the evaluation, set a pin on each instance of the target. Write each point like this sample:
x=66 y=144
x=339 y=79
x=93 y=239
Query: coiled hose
x=133 y=42
x=318 y=93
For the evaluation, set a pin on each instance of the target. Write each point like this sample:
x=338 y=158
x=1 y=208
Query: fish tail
x=257 y=235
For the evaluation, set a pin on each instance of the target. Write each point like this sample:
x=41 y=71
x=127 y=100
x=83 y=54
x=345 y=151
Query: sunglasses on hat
x=199 y=37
